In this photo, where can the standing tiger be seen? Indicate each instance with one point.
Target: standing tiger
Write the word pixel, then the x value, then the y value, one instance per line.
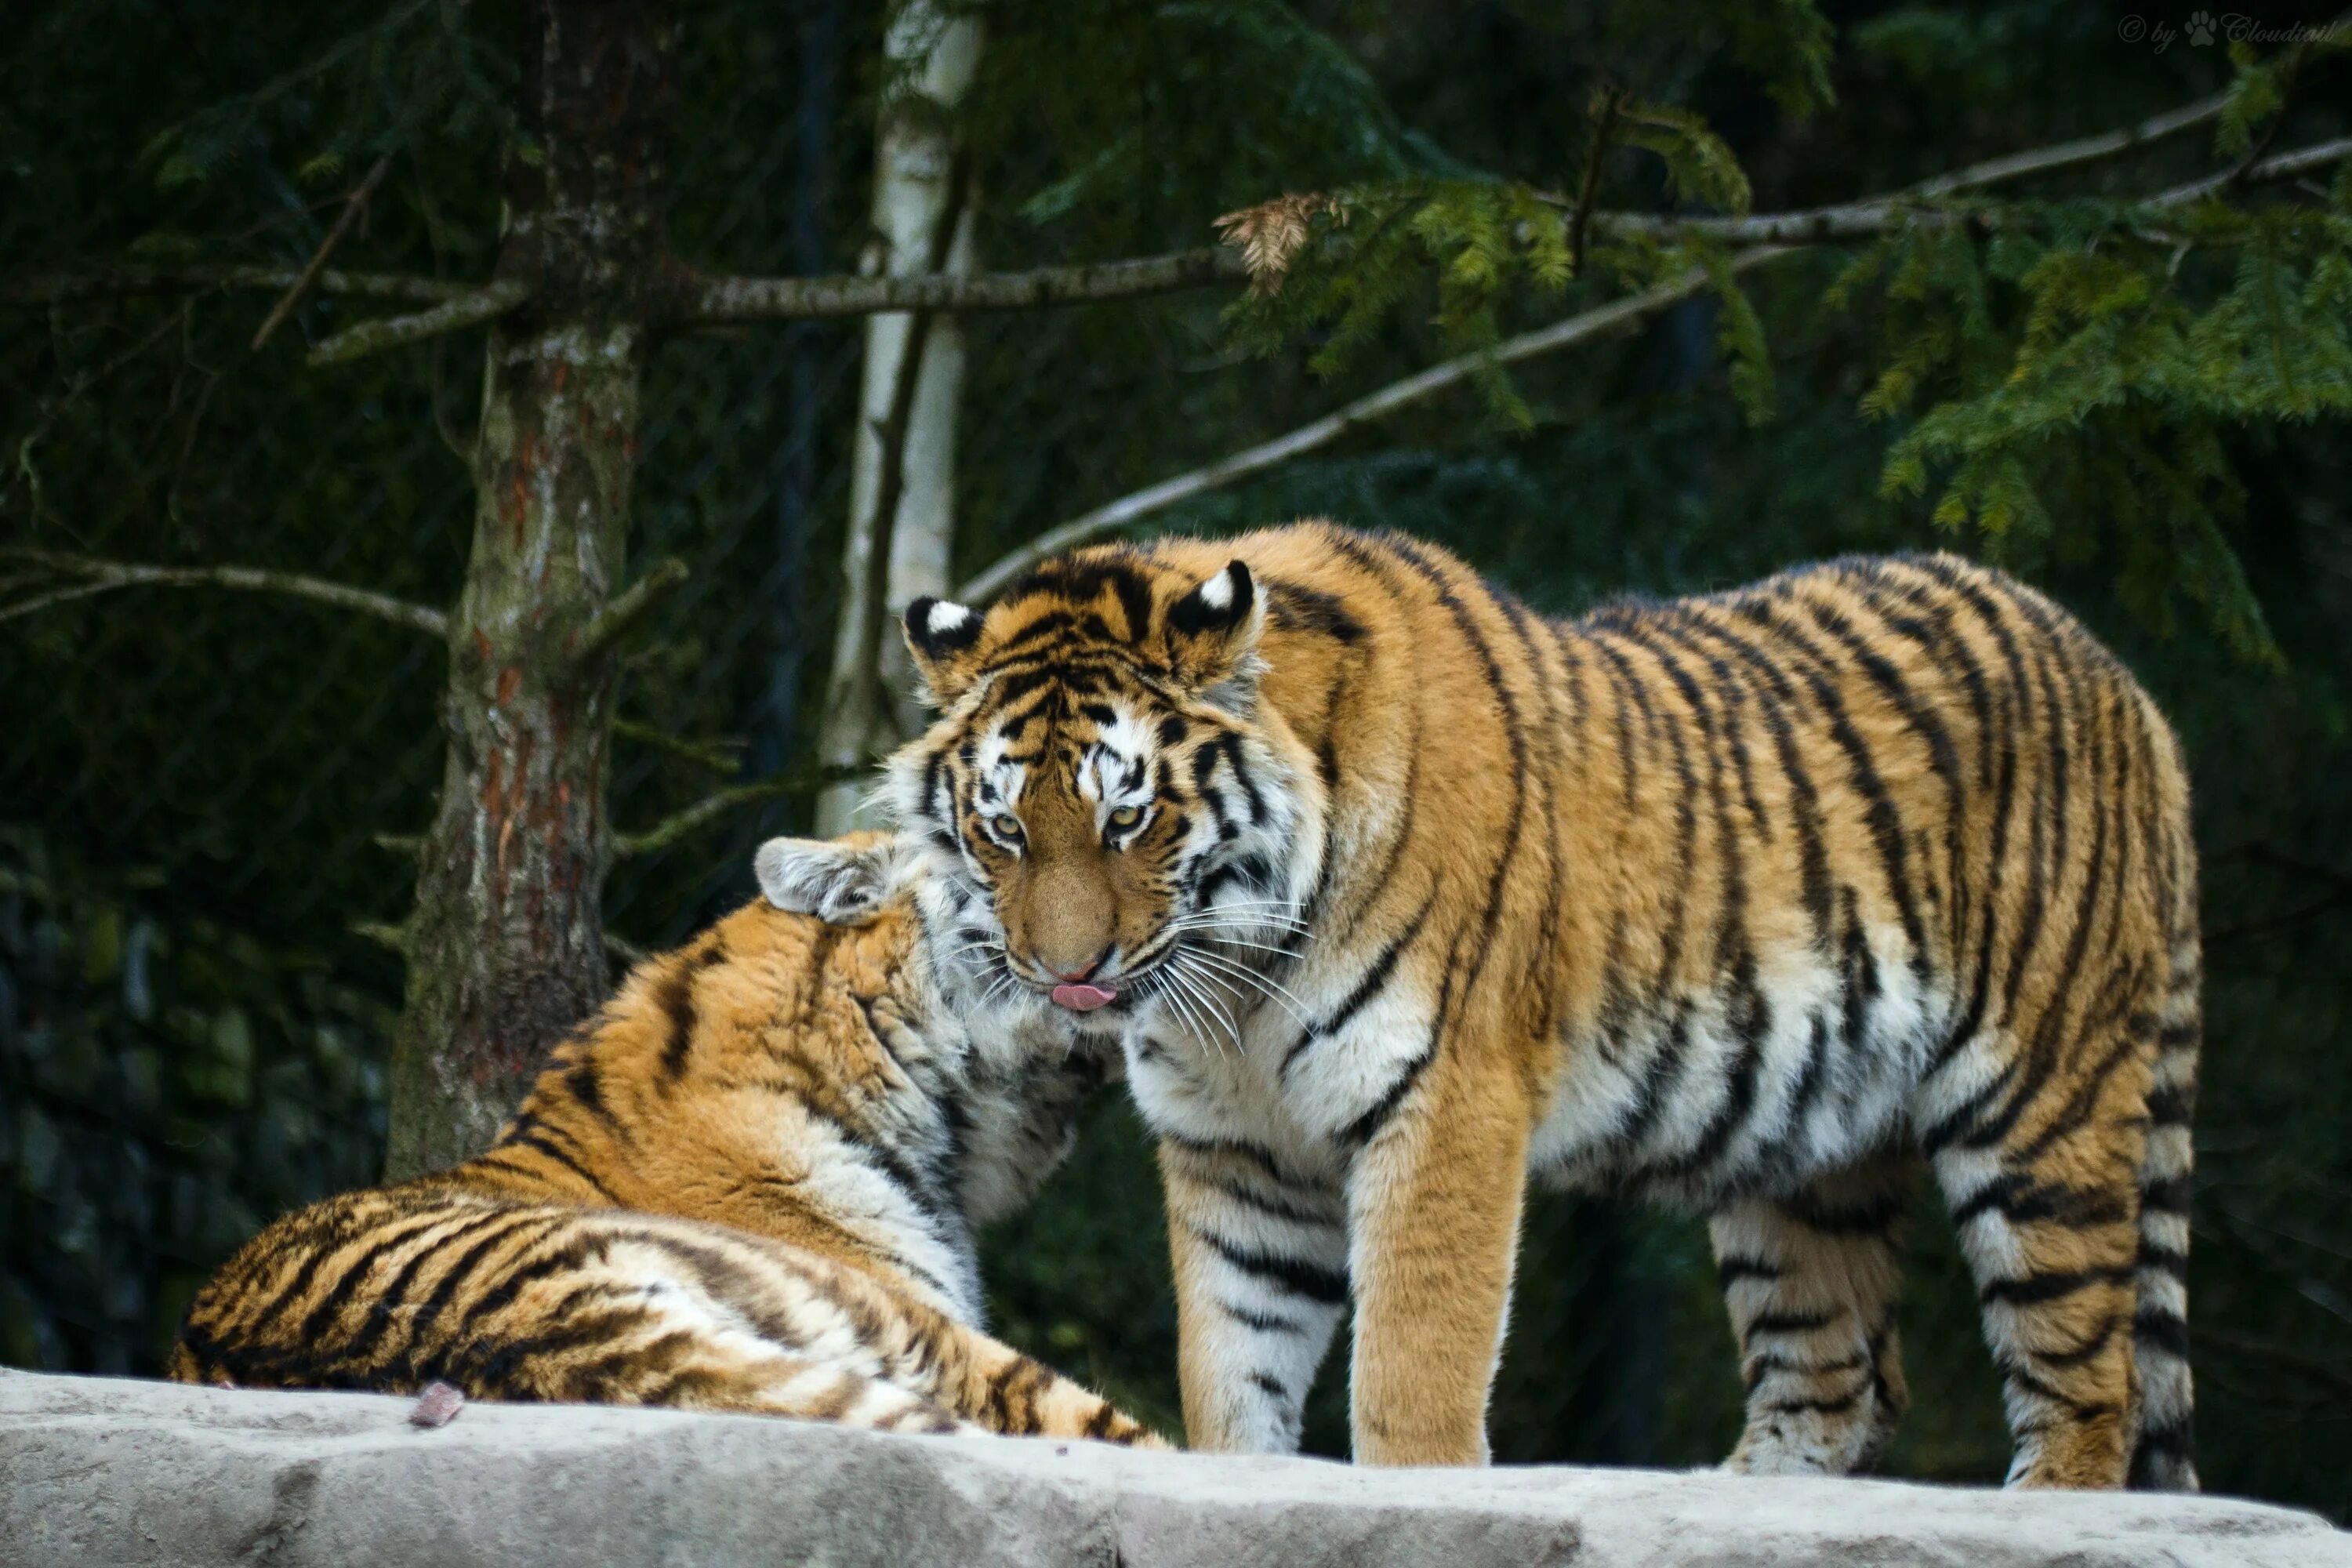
pixel 748 1184
pixel 1401 894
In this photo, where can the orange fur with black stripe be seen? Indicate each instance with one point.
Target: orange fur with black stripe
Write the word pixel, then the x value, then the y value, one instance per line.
pixel 1401 895
pixel 747 1185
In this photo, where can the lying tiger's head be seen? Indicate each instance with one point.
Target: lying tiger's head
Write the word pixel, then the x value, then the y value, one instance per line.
pixel 1000 1074
pixel 1100 780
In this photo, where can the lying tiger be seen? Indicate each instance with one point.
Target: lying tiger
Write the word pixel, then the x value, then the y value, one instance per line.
pixel 748 1184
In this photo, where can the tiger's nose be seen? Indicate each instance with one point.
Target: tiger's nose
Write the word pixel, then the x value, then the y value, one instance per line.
pixel 1072 977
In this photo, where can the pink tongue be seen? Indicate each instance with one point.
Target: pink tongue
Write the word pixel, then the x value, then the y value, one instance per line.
pixel 1083 998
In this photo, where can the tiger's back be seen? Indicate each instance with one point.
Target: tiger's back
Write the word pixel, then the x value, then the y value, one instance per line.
pixel 747 1185
pixel 1745 901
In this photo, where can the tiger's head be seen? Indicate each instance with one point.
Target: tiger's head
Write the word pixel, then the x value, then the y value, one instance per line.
pixel 1103 784
pixel 999 1074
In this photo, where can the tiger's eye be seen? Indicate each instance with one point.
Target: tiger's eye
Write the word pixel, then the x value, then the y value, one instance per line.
pixel 1005 826
pixel 1126 817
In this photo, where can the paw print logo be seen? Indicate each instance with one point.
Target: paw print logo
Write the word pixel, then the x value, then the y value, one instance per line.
pixel 2201 28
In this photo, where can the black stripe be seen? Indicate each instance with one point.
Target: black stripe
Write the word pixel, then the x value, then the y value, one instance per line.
pixel 1874 1217
pixel 452 1278
pixel 529 1133
pixel 1257 1154
pixel 1825 1406
pixel 1276 1207
pixel 390 1304
pixel 1513 731
pixel 1546 942
pixel 1364 1128
pixel 2021 1200
pixel 1375 979
pixel 675 996
pixel 1885 823
pixel 1779 697
pixel 339 1230
pixel 2091 1345
pixel 1764 1364
pixel 1294 607
pixel 1662 1067
pixel 1810 1080
pixel 1961 1117
pixel 2035 1289
pixel 1732 1267
pixel 1262 1322
pixel 1787 1322
pixel 1296 1276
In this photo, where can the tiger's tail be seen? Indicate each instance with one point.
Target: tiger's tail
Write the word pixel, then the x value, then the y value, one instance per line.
pixel 2164 1443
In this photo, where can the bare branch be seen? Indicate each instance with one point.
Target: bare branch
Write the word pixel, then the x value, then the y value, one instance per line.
pixel 354 205
pixel 726 301
pixel 625 609
pixel 1875 214
pixel 2269 171
pixel 97 577
pixel 1131 509
pixel 106 283
pixel 487 303
pixel 2077 154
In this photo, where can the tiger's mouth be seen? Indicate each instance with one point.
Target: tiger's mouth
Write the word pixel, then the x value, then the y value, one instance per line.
pixel 1081 997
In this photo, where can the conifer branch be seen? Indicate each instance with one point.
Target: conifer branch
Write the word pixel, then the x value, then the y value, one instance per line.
pixel 1131 509
pixel 88 575
pixel 708 810
pixel 720 803
pixel 473 308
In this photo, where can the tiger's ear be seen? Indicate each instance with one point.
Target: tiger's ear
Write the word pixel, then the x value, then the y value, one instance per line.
pixel 1213 636
pixel 941 636
pixel 839 880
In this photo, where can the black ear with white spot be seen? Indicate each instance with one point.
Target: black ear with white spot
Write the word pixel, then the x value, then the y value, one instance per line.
pixel 941 635
pixel 1225 602
pixel 1213 636
pixel 839 880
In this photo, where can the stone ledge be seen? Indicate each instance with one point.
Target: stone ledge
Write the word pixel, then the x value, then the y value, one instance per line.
pixel 98 1471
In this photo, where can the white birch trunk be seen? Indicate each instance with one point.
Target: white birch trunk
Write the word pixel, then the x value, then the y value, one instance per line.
pixel 913 167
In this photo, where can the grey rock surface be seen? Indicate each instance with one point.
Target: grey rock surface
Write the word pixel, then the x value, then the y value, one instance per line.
pixel 104 1471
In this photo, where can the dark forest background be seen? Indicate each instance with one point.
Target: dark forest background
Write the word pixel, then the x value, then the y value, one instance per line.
pixel 195 785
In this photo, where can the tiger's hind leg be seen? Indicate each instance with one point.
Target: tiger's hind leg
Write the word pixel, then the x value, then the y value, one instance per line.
pixel 2039 1168
pixel 1812 1283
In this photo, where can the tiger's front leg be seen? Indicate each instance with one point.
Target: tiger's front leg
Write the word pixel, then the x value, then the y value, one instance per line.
pixel 1434 1205
pixel 1261 1257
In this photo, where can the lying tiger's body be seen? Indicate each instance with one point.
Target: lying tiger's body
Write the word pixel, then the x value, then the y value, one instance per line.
pixel 748 1186
pixel 1401 894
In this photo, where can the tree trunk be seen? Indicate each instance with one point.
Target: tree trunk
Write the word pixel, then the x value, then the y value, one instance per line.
pixel 915 171
pixel 506 946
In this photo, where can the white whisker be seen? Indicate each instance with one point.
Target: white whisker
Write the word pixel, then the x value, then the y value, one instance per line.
pixel 1273 991
pixel 1199 980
